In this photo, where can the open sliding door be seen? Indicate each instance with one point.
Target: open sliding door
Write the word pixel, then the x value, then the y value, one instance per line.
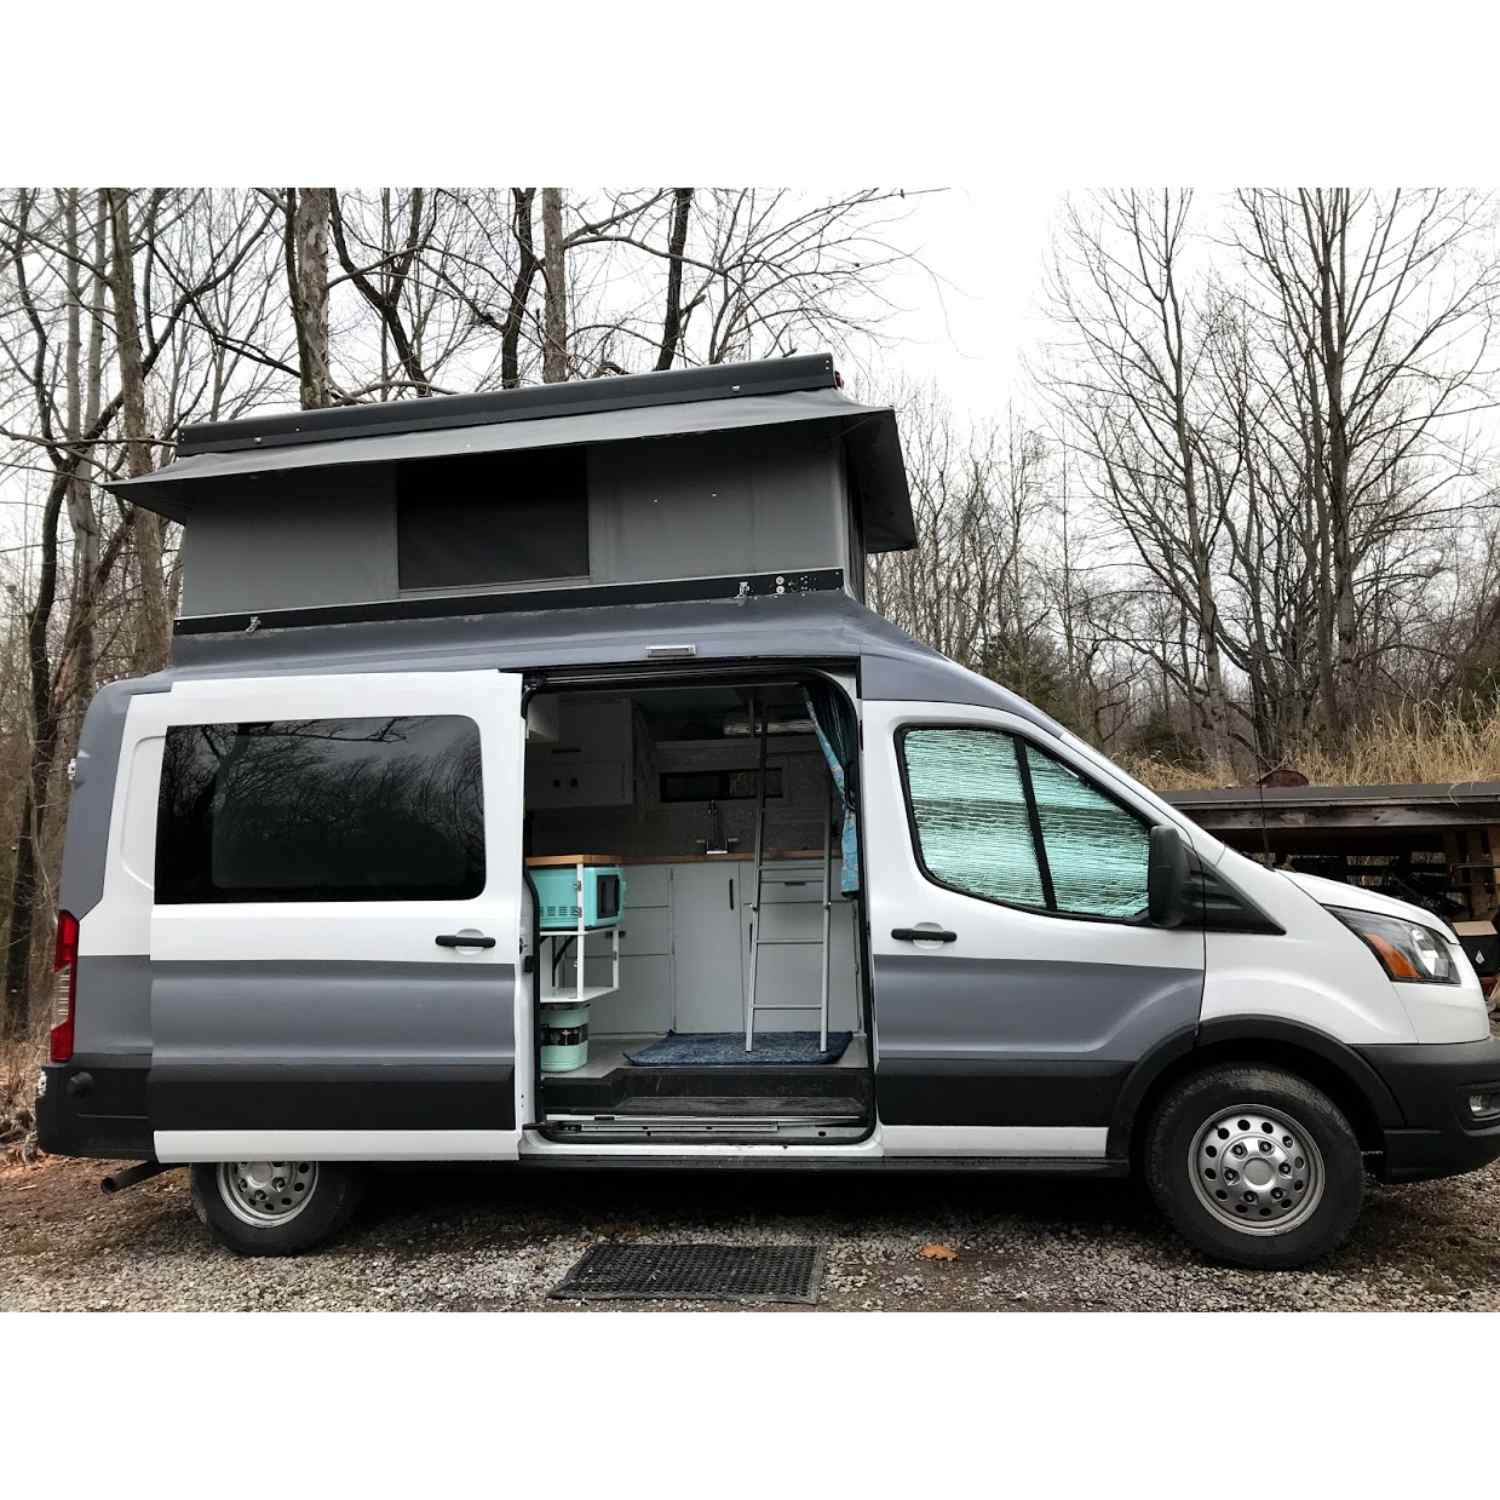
pixel 335 929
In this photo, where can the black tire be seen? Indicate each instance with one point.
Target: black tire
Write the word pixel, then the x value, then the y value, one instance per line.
pixel 333 1196
pixel 1171 1163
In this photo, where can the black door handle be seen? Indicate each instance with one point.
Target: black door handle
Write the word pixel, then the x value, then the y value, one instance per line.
pixel 923 935
pixel 463 940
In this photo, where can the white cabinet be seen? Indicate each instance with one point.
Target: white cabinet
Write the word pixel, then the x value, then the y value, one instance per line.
pixel 685 951
pixel 644 1001
pixel 590 764
pixel 706 901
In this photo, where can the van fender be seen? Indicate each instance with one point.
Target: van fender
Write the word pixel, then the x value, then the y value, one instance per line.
pixel 1267 1037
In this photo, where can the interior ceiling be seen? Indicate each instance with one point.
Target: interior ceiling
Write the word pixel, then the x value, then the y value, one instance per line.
pixel 712 700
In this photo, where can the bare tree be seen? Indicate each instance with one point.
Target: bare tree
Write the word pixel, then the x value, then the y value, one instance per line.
pixel 555 305
pixel 308 212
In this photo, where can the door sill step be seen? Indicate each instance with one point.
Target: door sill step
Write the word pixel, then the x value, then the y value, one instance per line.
pixel 641 1128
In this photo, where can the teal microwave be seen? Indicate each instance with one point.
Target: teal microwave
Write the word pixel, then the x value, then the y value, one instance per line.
pixel 558 896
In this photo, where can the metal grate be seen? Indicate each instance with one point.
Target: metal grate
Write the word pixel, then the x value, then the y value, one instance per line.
pixel 697 1273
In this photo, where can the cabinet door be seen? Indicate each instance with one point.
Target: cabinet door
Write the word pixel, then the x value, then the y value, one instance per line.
pixel 706 936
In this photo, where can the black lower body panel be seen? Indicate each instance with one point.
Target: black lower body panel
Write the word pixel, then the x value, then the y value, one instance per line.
pixel 297 1096
pixel 1431 1083
pixel 1012 1091
pixel 96 1107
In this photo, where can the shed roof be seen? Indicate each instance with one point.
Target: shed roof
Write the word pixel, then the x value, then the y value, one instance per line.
pixel 762 393
pixel 1306 810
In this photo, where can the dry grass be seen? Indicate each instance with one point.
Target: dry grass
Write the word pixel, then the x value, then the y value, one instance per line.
pixel 1415 743
pixel 19 1064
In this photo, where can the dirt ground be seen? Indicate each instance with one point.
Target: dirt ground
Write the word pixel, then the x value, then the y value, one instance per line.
pixel 466 1240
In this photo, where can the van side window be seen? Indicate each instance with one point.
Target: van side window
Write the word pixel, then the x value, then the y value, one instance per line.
pixel 368 809
pixel 995 817
pixel 968 808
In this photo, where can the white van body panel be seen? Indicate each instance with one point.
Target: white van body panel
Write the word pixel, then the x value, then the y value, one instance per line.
pixel 1437 1012
pixel 1319 974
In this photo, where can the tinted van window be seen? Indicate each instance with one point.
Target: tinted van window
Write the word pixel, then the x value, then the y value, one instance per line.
pixel 368 809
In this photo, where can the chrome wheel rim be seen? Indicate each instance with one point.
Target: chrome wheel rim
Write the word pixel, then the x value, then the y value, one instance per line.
pixel 1257 1170
pixel 264 1193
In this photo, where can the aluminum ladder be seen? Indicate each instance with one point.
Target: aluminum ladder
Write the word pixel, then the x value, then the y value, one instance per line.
pixel 752 1003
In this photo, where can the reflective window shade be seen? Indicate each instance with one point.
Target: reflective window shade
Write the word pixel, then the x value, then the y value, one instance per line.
pixel 969 808
pixel 1097 852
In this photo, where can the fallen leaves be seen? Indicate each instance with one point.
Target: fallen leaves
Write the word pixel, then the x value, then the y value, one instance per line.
pixel 938 1252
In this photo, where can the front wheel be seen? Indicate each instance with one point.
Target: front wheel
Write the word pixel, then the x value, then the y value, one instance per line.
pixel 274 1207
pixel 1255 1166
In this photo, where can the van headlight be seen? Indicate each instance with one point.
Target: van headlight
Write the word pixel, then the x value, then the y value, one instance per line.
pixel 1409 952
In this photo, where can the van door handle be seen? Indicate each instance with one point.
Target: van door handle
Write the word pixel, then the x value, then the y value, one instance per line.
pixel 464 940
pixel 923 935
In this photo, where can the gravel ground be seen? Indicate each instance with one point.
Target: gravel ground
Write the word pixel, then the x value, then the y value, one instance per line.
pixel 465 1240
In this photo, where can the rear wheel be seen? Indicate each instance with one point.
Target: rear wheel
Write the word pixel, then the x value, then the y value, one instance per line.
pixel 274 1207
pixel 1255 1166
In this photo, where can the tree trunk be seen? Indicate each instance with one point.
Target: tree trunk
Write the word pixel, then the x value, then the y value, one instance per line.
pixel 146 526
pixel 520 292
pixel 308 276
pixel 671 326
pixel 555 306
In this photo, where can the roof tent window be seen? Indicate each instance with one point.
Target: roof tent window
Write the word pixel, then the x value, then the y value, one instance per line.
pixel 483 520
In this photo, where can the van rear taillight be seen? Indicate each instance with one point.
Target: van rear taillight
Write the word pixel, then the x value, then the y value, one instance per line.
pixel 64 987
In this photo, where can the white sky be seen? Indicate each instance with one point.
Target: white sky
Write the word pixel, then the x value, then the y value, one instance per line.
pixel 967 324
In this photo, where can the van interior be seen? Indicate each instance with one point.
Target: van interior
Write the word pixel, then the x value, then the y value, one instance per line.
pixel 694 794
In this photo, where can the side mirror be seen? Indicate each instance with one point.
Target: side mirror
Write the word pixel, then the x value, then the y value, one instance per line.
pixel 1167 877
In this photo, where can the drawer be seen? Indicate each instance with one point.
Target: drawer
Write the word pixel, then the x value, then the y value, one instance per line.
pixel 807 886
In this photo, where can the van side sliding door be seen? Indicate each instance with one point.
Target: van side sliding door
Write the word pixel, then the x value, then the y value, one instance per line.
pixel 335 924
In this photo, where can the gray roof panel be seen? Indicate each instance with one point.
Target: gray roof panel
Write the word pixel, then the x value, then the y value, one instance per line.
pixel 824 626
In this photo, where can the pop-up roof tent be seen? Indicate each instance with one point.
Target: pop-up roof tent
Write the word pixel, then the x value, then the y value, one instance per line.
pixel 735 480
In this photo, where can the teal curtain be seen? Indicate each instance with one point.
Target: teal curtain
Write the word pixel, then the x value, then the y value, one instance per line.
pixel 839 740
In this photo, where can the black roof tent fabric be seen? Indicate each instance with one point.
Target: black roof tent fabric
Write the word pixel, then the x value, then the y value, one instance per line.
pixel 765 393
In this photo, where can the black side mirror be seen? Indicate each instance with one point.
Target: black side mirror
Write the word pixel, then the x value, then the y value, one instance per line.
pixel 1167 877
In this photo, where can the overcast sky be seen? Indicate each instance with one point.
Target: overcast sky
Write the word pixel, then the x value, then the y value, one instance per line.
pixel 967 324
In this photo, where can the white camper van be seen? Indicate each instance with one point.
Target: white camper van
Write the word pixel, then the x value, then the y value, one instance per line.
pixel 531 785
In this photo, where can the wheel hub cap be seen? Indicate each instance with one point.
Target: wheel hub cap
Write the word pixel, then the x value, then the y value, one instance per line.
pixel 267 1192
pixel 1257 1170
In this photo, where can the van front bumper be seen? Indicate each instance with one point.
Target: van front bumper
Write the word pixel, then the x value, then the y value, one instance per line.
pixel 1432 1084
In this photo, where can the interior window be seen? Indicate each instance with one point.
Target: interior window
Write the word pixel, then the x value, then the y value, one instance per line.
pixel 1097 852
pixel 968 807
pixel 368 809
pixel 492 518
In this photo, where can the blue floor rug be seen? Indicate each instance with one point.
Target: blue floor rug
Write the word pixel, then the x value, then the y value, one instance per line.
pixel 726 1049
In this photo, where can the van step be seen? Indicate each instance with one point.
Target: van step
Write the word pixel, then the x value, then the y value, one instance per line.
pixel 741 1106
